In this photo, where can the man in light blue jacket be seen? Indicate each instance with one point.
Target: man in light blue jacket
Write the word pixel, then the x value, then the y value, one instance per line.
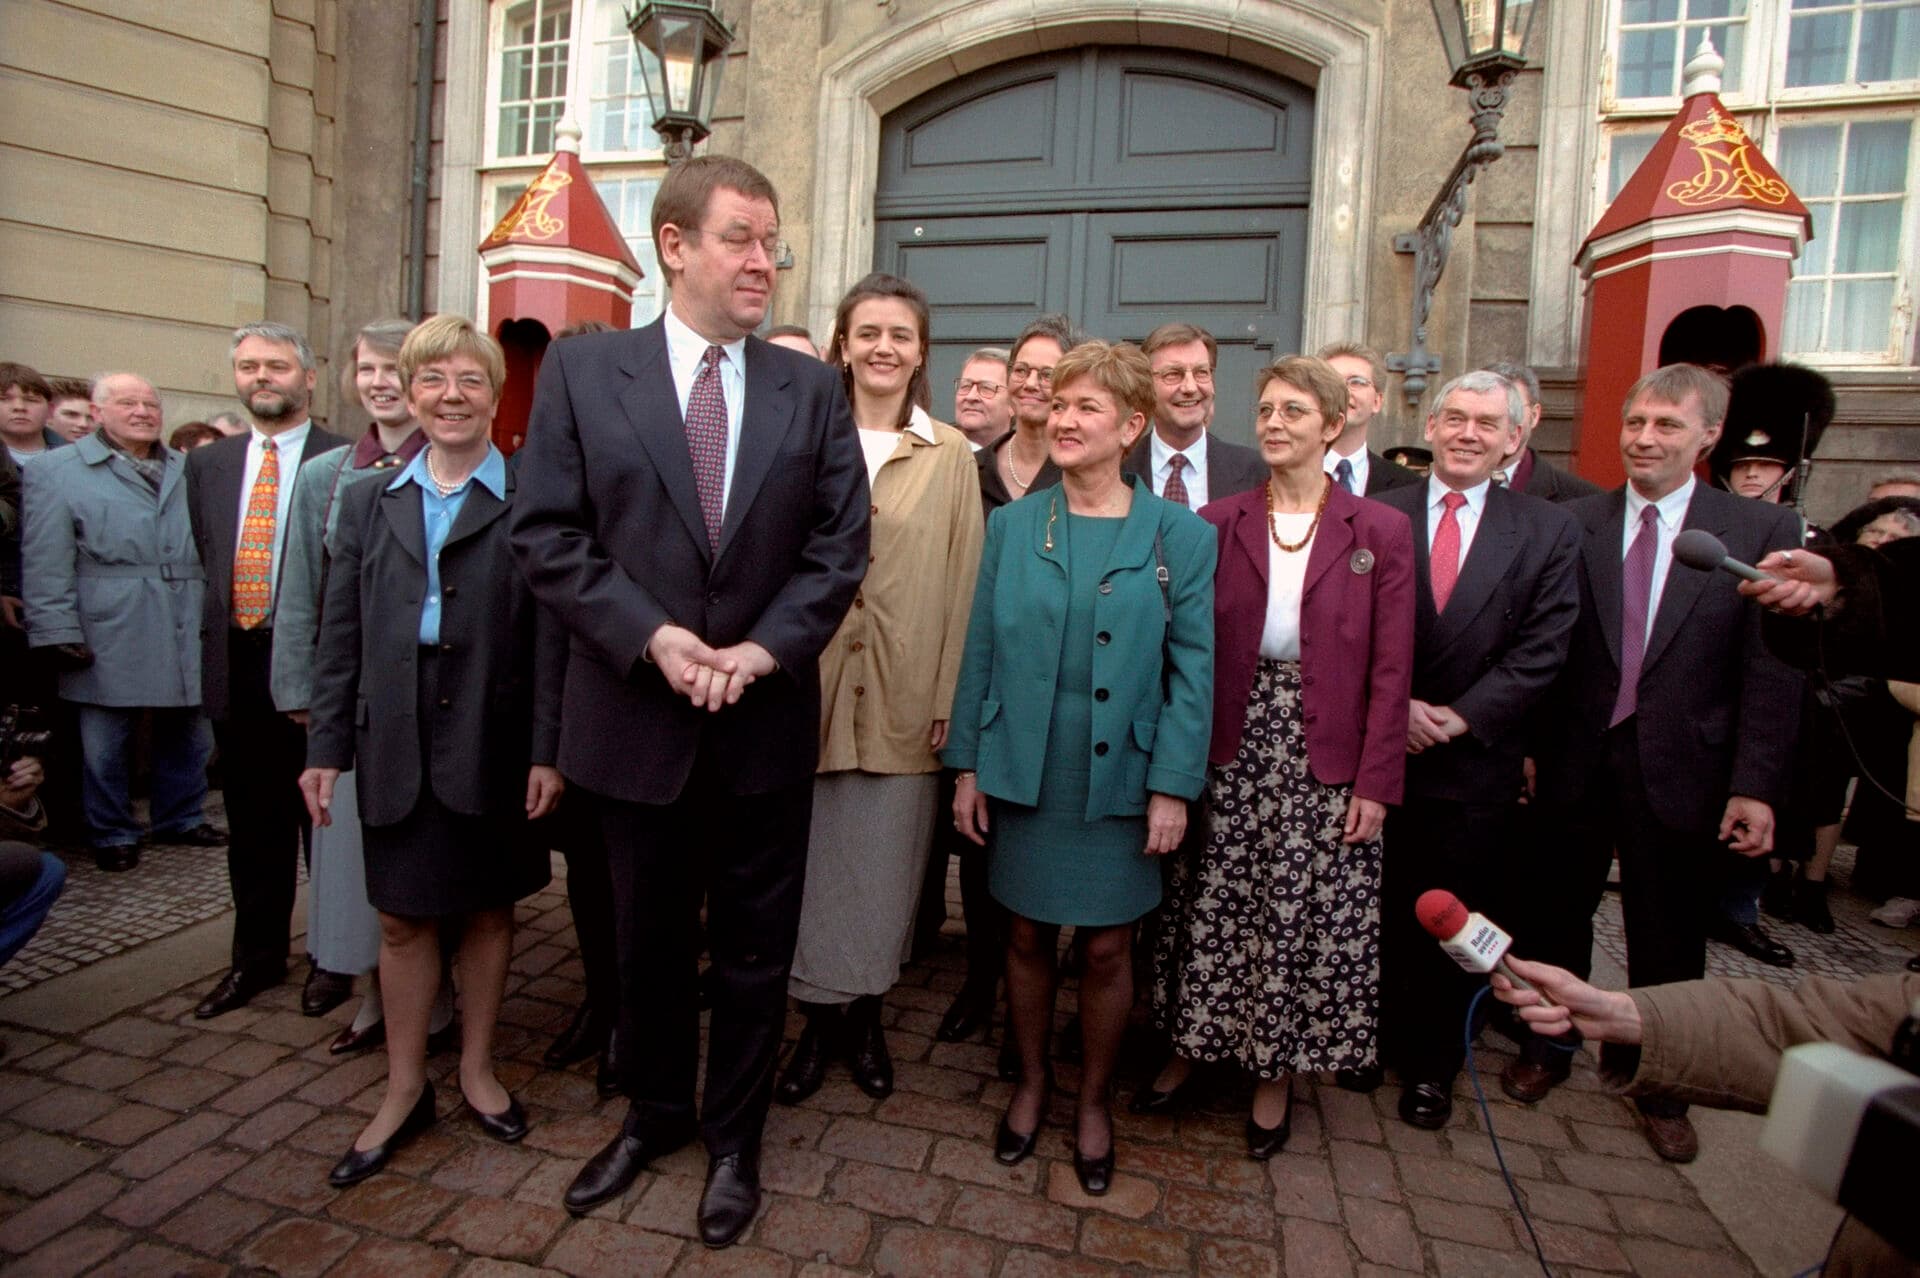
pixel 113 584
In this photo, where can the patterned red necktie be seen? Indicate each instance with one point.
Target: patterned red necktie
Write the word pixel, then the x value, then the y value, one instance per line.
pixel 707 442
pixel 1444 559
pixel 1636 592
pixel 1176 489
pixel 253 557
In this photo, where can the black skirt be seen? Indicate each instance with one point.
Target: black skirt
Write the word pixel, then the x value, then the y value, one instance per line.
pixel 439 862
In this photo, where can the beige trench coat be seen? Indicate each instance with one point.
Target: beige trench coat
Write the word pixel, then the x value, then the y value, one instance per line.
pixel 889 672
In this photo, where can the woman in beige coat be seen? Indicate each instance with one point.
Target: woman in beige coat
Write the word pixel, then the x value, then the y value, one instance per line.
pixel 887 682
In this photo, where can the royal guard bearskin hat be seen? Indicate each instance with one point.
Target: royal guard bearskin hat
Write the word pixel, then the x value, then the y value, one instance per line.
pixel 1777 412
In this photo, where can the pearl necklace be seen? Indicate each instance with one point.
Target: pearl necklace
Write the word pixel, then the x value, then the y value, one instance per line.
pixel 446 489
pixel 1021 484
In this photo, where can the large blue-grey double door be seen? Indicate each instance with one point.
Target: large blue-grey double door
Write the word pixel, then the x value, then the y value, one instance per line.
pixel 1124 186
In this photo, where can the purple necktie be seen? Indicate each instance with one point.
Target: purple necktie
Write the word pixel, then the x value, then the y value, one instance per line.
pixel 1636 591
pixel 707 442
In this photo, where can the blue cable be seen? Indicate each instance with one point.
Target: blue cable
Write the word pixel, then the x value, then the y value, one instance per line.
pixel 1486 1116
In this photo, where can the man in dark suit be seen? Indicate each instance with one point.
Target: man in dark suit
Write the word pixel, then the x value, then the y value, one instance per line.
pixel 1358 468
pixel 1181 458
pixel 1495 602
pixel 1523 469
pixel 239 492
pixel 694 508
pixel 1670 731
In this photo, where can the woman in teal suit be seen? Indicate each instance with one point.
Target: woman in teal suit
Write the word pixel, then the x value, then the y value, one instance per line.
pixel 1080 725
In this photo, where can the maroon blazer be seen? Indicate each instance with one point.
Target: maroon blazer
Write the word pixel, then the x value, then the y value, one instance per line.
pixel 1356 637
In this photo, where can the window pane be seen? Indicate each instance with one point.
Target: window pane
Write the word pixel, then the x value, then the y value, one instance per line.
pixel 1635 12
pixel 1817 49
pixel 1821 4
pixel 1716 9
pixel 1809 159
pixel 1647 63
pixel 1817 257
pixel 1624 156
pixel 532 87
pixel 1731 40
pixel 1806 307
pixel 1862 314
pixel 1890 43
pixel 1877 157
pixel 1869 238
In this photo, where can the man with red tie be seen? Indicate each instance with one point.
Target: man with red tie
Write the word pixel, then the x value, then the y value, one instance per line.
pixel 1494 604
pixel 1669 735
pixel 1182 459
pixel 239 491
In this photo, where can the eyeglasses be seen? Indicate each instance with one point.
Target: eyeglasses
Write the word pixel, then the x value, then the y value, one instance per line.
pixel 1172 375
pixel 740 244
pixel 968 385
pixel 433 380
pixel 1364 383
pixel 1292 412
pixel 1019 373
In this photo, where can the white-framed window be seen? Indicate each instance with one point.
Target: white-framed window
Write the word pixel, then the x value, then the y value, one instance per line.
pixel 1830 89
pixel 549 58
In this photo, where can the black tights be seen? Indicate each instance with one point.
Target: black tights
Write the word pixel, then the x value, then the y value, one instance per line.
pixel 1106 997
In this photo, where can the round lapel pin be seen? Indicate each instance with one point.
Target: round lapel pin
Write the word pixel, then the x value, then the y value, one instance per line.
pixel 1361 562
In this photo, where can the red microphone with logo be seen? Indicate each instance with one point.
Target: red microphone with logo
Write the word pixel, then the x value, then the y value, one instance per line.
pixel 1471 940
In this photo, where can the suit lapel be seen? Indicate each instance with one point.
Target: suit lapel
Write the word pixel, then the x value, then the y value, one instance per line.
pixel 1684 584
pixel 1602 555
pixel 225 471
pixel 401 506
pixel 479 509
pixel 1495 542
pixel 1250 534
pixel 764 420
pixel 652 406
pixel 1333 539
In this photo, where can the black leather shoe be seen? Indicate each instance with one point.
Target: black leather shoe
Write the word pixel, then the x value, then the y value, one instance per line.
pixel 236 989
pixel 204 835
pixel 1360 1080
pixel 1264 1142
pixel 867 1049
pixel 970 1012
pixel 584 1036
pixel 1095 1174
pixel 1751 941
pixel 609 1172
pixel 507 1126
pixel 1013 1148
pixel 324 991
pixel 606 1078
pixel 1810 907
pixel 731 1198
pixel 358 1164
pixel 1425 1105
pixel 807 1067
pixel 350 1041
pixel 1151 1100
pixel 117 859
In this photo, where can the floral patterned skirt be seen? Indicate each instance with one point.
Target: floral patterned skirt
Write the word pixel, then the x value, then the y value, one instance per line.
pixel 1270 952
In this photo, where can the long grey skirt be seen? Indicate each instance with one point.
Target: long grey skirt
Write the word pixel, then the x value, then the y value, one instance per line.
pixel 343 929
pixel 866 856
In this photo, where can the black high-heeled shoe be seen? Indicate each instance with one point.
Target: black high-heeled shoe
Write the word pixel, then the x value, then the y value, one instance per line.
pixel 507 1126
pixel 1012 1148
pixel 358 1164
pixel 1095 1174
pixel 1152 1100
pixel 1264 1142
pixel 970 1012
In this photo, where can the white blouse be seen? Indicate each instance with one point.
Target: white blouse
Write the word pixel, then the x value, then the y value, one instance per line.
pixel 1286 581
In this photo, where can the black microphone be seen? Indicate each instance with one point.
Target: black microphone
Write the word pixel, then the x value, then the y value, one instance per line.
pixel 1698 548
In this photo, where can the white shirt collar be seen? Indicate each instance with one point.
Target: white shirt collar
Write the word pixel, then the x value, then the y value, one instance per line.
pixel 687 348
pixel 921 424
pixel 1476 496
pixel 285 440
pixel 1672 507
pixel 1195 453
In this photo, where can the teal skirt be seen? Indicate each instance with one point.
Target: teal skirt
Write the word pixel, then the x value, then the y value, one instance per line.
pixel 1050 864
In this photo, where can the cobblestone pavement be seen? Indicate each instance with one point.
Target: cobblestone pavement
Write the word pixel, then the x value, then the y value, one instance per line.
pixel 152 1143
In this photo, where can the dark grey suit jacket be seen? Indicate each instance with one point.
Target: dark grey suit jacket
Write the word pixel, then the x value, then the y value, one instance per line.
pixel 1384 476
pixel 1718 712
pixel 608 527
pixel 1496 650
pixel 501 659
pixel 214 475
pixel 1550 483
pixel 1232 468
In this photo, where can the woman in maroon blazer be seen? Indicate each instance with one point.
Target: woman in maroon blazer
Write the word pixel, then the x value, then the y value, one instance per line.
pixel 1270 957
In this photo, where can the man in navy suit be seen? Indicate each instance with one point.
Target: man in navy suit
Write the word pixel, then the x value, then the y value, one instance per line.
pixel 1495 603
pixel 1670 732
pixel 1181 458
pixel 695 509
pixel 1350 459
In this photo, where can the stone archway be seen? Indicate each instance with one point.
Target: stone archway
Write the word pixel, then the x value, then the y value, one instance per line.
pixel 1313 41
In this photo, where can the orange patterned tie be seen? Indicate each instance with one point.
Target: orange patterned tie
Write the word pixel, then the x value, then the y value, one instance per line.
pixel 253 560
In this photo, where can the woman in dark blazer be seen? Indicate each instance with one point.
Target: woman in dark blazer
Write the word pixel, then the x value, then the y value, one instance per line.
pixel 1081 714
pixel 1270 955
pixel 436 672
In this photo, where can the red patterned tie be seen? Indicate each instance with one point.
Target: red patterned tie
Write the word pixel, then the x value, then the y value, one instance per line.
pixel 707 442
pixel 1444 559
pixel 253 558
pixel 1176 489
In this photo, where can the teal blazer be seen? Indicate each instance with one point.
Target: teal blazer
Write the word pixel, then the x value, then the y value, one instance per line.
pixel 1146 739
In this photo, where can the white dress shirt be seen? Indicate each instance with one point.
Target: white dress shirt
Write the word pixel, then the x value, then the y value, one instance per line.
pixel 1286 585
pixel 685 350
pixel 1194 475
pixel 1672 512
pixel 1332 461
pixel 289 444
pixel 1467 517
